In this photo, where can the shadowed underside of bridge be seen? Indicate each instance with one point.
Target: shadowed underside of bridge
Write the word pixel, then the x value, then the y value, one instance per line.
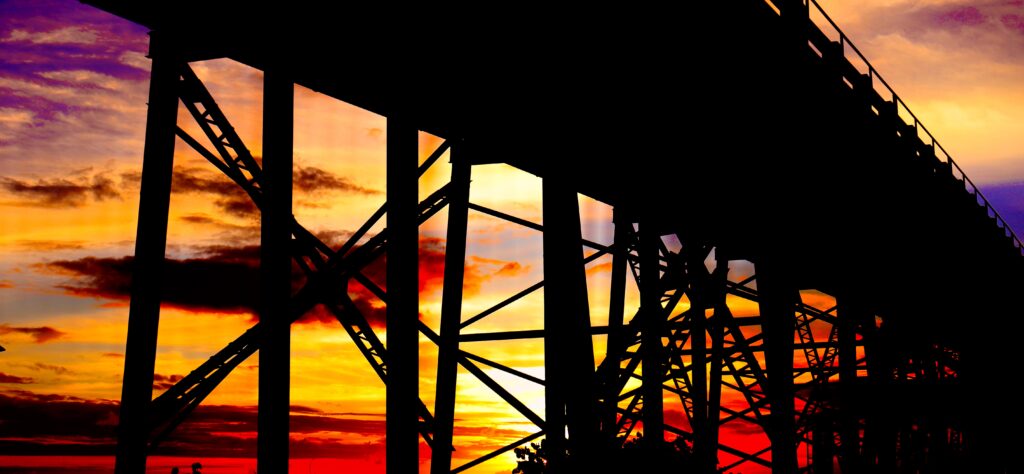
pixel 729 124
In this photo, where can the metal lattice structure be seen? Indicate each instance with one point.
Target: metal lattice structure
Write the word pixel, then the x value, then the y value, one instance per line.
pixel 853 384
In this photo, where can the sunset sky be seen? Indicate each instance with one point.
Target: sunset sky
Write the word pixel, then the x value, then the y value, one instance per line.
pixel 73 91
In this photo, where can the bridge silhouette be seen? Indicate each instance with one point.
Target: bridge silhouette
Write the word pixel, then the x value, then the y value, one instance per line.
pixel 750 131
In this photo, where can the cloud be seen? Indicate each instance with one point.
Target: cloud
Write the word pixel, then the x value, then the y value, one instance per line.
pixel 7 378
pixel 230 230
pixel 39 335
pixel 221 279
pixel 224 280
pixel 68 35
pixel 230 198
pixel 113 355
pixel 334 238
pixel 55 424
pixel 967 16
pixel 311 179
pixel 70 76
pixel 164 382
pixel 50 424
pixel 6 284
pixel 60 192
pixel 39 366
pixel 49 245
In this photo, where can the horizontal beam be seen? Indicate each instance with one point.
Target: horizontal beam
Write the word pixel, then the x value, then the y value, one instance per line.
pixel 510 335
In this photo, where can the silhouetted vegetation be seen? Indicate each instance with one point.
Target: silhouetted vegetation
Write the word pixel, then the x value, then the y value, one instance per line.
pixel 631 455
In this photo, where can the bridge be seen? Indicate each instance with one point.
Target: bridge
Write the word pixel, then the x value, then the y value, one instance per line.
pixel 727 134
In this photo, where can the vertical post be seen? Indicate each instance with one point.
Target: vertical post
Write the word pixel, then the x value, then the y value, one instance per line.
pixel 716 328
pixel 150 244
pixel 872 419
pixel 616 309
pixel 848 430
pixel 554 349
pixel 451 312
pixel 881 369
pixel 403 297
pixel 697 274
pixel 778 301
pixel 567 338
pixel 651 349
pixel 275 273
pixel 822 445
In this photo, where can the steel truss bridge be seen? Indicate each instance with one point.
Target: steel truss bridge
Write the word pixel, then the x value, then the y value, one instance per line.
pixel 778 144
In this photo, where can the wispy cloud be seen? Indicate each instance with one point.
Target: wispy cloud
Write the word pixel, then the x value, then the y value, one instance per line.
pixel 60 192
pixel 57 369
pixel 14 379
pixel 312 179
pixel 66 83
pixel 959 65
pixel 39 334
pixel 229 197
pixel 164 382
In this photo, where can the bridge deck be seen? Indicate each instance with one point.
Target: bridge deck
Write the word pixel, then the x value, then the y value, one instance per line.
pixel 718 122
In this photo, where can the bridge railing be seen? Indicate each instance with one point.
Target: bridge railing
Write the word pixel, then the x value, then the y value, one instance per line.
pixel 853 55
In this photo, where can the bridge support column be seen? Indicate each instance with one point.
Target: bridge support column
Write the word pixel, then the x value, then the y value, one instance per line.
pixel 150 245
pixel 698 277
pixel 849 316
pixel 653 326
pixel 778 301
pixel 451 312
pixel 716 328
pixel 568 347
pixel 616 310
pixel 275 273
pixel 403 298
pixel 823 446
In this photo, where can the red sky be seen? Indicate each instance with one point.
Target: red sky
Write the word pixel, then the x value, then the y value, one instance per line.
pixel 73 84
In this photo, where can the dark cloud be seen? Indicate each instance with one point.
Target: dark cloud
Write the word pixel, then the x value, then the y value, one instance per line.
pixel 225 279
pixel 238 206
pixel 221 279
pixel 131 178
pixel 230 198
pixel 39 334
pixel 198 180
pixel 962 15
pixel 60 192
pixel 55 424
pixel 113 355
pixel 43 424
pixel 230 230
pixel 310 179
pixel 164 382
pixel 223 282
pixel 7 378
pixel 1013 22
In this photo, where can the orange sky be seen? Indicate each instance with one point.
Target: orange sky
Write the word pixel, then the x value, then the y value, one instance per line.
pixel 73 85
